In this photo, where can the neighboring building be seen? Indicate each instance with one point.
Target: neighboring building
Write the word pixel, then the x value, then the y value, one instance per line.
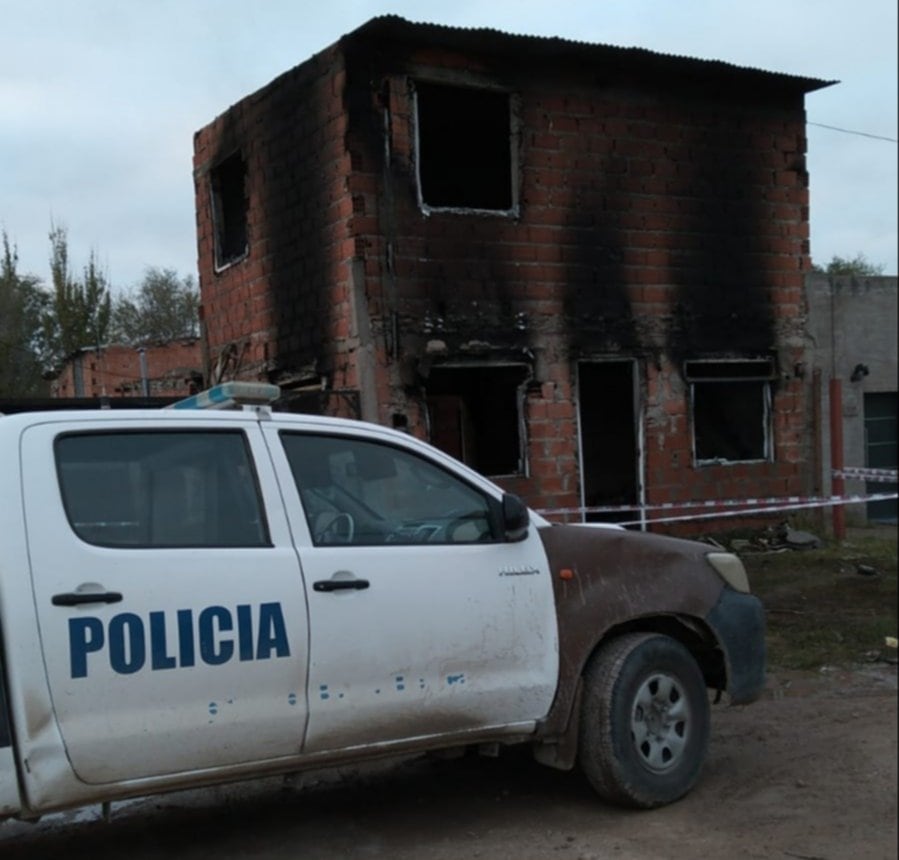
pixel 852 334
pixel 577 267
pixel 171 369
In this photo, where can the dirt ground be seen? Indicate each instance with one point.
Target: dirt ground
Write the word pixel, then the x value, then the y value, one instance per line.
pixel 808 772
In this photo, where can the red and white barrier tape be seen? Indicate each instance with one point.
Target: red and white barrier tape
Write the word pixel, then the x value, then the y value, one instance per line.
pixel 876 476
pixel 678 506
pixel 747 507
pixel 822 503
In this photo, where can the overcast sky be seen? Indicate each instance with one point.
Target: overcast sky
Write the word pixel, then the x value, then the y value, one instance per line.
pixel 99 101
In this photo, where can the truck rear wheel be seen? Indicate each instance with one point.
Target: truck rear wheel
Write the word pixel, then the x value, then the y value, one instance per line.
pixel 644 720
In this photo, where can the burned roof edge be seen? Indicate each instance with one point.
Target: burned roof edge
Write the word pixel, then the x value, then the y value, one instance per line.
pixel 400 29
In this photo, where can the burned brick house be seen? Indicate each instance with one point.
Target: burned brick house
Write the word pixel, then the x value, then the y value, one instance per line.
pixel 577 267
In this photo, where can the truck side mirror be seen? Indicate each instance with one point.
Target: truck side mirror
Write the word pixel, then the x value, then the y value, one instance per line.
pixel 516 518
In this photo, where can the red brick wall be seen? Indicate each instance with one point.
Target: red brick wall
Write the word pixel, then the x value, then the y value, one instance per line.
pixel 662 228
pixel 284 308
pixel 671 475
pixel 173 370
pixel 663 221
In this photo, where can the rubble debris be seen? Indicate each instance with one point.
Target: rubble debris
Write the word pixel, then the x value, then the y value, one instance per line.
pixel 795 539
pixel 782 538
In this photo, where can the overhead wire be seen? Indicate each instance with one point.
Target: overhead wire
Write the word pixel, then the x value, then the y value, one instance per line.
pixel 857 133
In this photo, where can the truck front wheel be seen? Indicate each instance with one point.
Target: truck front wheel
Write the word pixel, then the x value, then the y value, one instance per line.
pixel 644 728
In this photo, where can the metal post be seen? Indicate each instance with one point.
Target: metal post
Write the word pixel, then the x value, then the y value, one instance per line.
pixel 144 379
pixel 838 484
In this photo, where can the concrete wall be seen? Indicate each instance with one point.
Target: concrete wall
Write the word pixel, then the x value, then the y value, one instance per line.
pixel 851 321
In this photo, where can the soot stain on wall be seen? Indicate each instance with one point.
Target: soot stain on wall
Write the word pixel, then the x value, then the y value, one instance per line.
pixel 456 282
pixel 722 302
pixel 296 201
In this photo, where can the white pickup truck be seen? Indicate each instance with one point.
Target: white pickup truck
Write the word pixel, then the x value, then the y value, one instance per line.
pixel 191 596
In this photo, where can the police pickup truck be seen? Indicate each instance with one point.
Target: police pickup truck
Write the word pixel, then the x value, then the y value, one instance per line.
pixel 191 596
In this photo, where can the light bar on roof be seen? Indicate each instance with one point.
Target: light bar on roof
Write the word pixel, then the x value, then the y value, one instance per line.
pixel 227 395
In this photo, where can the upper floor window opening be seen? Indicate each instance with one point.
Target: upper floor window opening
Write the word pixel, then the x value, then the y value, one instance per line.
pixel 229 210
pixel 465 148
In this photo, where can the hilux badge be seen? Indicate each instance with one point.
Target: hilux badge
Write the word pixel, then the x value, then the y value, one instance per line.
pixel 518 571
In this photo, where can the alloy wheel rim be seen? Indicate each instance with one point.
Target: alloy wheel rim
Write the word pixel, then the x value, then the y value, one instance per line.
pixel 660 722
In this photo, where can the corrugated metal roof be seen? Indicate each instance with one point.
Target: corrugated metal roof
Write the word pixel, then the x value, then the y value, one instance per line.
pixel 499 42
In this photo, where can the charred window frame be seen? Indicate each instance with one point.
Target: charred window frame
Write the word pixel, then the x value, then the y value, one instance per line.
pixel 466 148
pixel 730 405
pixel 227 182
pixel 476 414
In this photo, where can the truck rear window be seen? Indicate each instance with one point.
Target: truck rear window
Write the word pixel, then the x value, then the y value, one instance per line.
pixel 161 489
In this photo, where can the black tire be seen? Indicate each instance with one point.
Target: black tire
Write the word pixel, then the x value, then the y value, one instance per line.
pixel 644 729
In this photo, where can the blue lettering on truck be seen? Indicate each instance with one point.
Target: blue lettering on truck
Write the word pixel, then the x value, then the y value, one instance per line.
pixel 132 643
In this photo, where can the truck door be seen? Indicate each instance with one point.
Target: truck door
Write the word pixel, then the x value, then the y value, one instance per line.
pixel 423 619
pixel 170 602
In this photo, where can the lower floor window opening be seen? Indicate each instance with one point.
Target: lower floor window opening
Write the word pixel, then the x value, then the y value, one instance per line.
pixel 475 415
pixel 731 414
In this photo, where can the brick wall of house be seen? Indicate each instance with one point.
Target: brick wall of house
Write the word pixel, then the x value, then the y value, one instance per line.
pixel 660 226
pixel 662 216
pixel 283 311
pixel 173 370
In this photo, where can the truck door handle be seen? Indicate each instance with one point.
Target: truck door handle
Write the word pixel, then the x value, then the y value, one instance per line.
pixel 77 598
pixel 340 584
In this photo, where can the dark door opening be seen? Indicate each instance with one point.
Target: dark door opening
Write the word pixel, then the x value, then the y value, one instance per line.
pixel 608 438
pixel 880 451
pixel 475 415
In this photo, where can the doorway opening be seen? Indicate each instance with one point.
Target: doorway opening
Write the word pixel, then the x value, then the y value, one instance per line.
pixel 610 441
pixel 880 451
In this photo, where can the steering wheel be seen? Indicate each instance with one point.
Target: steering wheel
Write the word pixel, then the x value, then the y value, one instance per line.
pixel 333 527
pixel 468 528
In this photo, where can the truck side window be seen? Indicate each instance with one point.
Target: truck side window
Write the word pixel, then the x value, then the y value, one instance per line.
pixel 365 493
pixel 162 489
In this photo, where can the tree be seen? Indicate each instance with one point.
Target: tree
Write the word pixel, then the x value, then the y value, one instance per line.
pixel 22 304
pixel 79 312
pixel 859 265
pixel 164 307
pixel 41 328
